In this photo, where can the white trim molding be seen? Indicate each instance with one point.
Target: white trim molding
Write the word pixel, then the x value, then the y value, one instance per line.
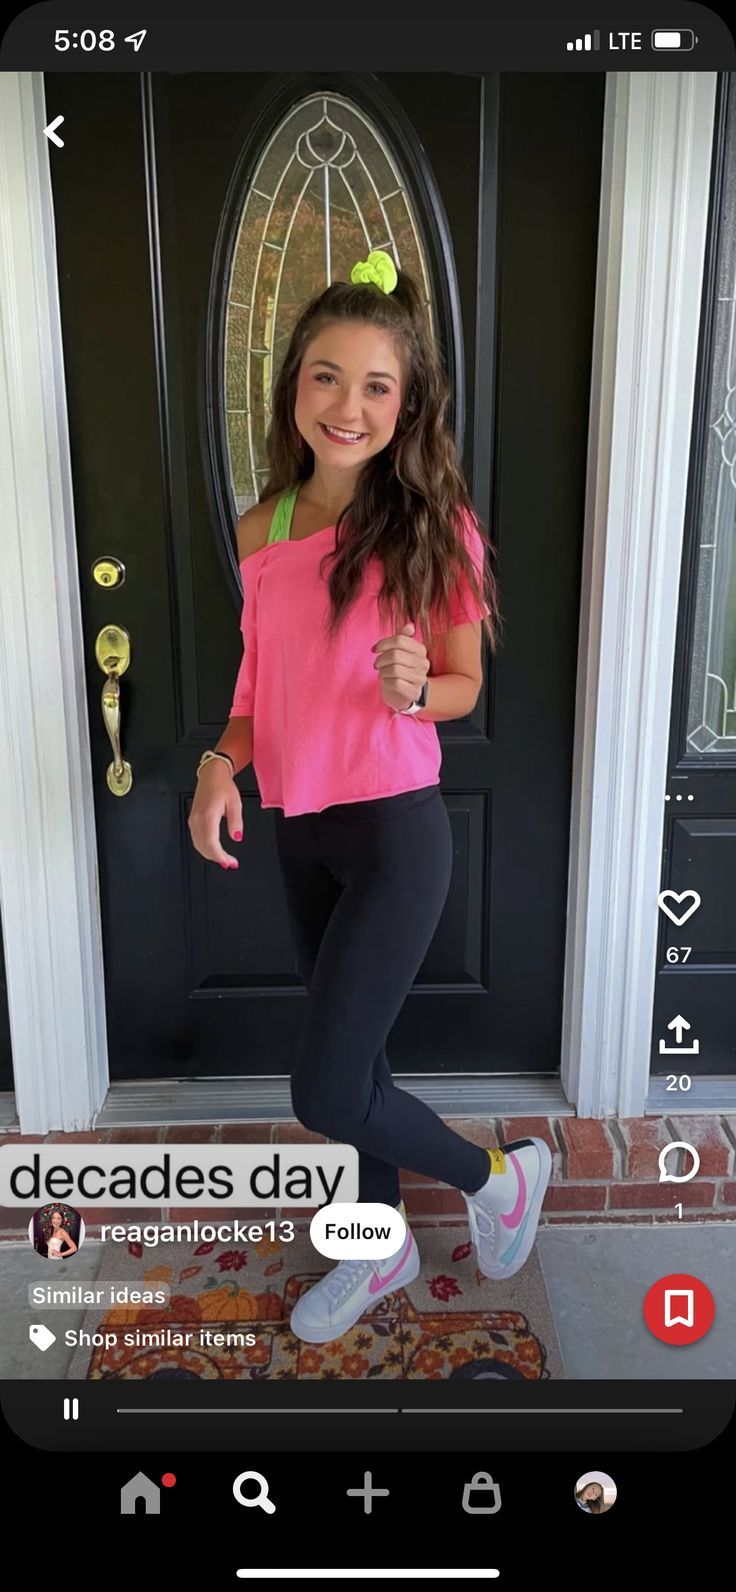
pixel 657 150
pixel 48 853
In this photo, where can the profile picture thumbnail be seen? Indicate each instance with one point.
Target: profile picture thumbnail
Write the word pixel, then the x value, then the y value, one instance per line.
pixel 56 1231
pixel 595 1492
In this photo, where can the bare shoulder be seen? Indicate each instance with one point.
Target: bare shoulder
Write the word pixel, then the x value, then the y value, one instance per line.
pixel 253 527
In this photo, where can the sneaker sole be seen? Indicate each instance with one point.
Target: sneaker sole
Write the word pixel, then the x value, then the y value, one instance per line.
pixel 531 1219
pixel 308 1334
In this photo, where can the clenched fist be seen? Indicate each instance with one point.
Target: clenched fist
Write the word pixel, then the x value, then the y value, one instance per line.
pixel 403 666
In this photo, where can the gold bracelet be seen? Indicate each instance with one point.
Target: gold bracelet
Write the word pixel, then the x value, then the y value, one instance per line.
pixel 207 758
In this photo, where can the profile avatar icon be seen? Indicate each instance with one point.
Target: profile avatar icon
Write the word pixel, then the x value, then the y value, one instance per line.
pixel 595 1492
pixel 56 1231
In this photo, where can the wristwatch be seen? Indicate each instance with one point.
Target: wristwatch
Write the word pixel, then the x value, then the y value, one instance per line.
pixel 421 701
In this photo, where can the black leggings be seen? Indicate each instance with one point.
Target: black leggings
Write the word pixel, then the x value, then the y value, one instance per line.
pixel 365 886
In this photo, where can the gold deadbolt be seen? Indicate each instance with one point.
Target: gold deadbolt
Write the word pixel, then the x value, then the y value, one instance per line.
pixel 108 572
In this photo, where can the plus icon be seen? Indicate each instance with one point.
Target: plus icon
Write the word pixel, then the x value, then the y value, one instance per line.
pixel 367 1492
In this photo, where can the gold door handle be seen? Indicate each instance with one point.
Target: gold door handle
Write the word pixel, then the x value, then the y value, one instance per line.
pixel 112 651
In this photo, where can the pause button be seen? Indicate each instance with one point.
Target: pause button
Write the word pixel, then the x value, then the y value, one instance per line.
pixel 71 1409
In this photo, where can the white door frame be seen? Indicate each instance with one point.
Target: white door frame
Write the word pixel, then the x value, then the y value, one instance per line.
pixel 655 179
pixel 657 152
pixel 48 851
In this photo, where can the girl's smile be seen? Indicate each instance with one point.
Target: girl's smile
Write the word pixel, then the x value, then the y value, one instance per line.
pixel 342 438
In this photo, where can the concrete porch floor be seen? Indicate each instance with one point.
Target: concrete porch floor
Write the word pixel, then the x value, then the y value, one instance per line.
pixel 596 1279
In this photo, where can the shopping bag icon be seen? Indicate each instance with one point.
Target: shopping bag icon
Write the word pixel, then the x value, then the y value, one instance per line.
pixel 672 1294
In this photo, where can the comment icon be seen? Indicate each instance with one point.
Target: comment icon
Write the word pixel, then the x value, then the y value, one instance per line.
pixel 681 1177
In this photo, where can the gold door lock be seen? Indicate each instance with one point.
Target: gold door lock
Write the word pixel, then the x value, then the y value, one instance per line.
pixel 108 572
pixel 112 651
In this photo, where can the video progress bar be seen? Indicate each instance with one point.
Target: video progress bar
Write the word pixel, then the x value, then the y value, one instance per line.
pixel 368 1575
pixel 250 1410
pixel 576 1411
pixel 247 1410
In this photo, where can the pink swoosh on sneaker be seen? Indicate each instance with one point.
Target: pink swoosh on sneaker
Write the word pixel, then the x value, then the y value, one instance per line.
pixel 514 1217
pixel 379 1283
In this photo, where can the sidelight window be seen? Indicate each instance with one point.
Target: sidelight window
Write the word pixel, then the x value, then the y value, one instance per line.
pixel 712 706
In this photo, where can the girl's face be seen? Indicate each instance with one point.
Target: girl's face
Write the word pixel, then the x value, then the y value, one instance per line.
pixel 56 1219
pixel 350 379
pixel 593 1490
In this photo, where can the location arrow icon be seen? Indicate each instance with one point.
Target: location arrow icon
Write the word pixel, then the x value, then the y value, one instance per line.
pixel 50 133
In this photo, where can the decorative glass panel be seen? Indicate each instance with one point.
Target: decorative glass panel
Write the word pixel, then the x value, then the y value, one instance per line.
pixel 326 191
pixel 712 710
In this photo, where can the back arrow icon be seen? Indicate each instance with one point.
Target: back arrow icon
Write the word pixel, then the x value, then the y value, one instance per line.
pixel 49 131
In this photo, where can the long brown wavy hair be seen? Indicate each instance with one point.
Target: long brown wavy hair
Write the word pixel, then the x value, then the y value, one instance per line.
pixel 596 1506
pixel 408 498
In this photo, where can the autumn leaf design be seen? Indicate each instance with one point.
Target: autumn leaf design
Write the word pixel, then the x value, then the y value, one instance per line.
pixel 232 1259
pixel 444 1288
pixel 462 1252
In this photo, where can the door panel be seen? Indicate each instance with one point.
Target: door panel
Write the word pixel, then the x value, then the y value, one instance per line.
pixel 696 976
pixel 200 971
pixel 6 1055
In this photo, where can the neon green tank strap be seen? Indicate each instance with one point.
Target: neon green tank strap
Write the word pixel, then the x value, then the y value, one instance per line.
pixel 280 528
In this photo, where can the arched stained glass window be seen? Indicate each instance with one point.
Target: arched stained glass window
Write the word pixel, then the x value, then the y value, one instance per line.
pixel 326 190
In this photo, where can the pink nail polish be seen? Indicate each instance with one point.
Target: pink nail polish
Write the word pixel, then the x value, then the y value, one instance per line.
pixel 238 834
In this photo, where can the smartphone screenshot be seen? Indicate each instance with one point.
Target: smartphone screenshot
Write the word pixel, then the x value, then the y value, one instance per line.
pixel 368 810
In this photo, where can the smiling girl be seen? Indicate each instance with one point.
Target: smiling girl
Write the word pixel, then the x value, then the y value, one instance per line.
pixel 365 595
pixel 60 1243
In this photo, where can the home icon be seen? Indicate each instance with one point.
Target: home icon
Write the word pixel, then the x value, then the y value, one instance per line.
pixel 140 1487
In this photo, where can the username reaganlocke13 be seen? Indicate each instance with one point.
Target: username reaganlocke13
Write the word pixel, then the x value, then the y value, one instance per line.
pixel 243 1175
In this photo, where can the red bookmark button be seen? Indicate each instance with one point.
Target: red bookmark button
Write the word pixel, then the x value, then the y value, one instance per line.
pixel 679 1309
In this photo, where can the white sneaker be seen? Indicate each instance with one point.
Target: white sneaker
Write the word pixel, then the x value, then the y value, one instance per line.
pixel 504 1213
pixel 340 1298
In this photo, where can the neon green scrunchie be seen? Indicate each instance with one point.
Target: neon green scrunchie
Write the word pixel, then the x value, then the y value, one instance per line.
pixel 378 268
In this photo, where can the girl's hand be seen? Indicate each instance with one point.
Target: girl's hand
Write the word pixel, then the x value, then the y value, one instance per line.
pixel 402 666
pixel 216 797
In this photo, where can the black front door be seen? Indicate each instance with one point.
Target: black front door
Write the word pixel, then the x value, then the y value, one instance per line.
pixel 169 366
pixel 6 1059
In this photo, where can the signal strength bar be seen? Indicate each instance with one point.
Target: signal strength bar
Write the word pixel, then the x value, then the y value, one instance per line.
pixel 589 41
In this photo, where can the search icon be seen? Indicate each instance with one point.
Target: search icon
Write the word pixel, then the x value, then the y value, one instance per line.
pixel 670 1177
pixel 261 1498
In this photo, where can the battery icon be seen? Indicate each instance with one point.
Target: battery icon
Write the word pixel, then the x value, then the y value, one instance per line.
pixel 673 39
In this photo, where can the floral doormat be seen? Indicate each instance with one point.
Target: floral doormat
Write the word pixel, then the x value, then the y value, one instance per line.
pixel 450 1322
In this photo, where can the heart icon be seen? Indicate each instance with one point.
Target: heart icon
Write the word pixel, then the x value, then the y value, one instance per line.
pixel 686 895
